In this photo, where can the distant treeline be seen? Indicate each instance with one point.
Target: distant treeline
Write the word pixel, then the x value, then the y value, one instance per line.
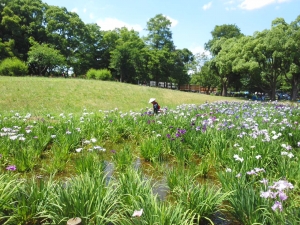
pixel 40 39
pixel 51 41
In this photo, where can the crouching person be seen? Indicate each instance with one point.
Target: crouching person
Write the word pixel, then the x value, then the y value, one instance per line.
pixel 156 107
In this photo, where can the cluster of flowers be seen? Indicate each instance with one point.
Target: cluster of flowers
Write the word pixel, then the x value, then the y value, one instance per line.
pixel 276 191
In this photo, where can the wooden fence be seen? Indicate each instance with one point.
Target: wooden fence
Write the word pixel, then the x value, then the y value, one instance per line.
pixel 196 88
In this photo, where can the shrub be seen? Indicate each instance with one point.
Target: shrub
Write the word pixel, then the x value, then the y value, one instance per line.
pixel 13 67
pixel 103 74
pixel 91 74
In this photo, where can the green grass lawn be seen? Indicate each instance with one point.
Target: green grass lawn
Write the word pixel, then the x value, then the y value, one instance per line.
pixel 40 95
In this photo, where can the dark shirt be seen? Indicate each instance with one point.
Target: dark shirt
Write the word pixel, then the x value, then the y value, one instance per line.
pixel 155 107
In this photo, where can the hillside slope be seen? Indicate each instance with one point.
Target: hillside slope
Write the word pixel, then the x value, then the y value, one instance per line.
pixel 56 95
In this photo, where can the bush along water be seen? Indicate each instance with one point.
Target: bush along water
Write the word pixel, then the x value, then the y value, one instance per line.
pixel 221 162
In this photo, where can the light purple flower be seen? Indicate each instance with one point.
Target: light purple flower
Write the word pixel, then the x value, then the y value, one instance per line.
pixel 267 194
pixel 252 172
pixel 282 185
pixel 277 205
pixel 282 196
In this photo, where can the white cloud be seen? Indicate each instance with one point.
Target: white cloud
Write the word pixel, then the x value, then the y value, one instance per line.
pixel 197 49
pixel 84 10
pixel 207 6
pixel 91 16
pixel 229 2
pixel 74 10
pixel 112 23
pixel 257 4
pixel 173 21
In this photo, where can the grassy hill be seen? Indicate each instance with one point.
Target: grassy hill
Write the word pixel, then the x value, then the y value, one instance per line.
pixel 40 95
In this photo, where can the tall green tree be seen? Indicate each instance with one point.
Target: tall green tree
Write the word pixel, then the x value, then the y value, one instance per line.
pixel 127 56
pixel 269 53
pixel 181 60
pixel 22 19
pixel 108 44
pixel 159 33
pixel 160 42
pixel 65 31
pixel 293 52
pixel 90 50
pixel 219 35
pixel 246 67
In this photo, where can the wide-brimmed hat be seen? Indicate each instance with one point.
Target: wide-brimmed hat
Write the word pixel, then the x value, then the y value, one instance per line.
pixel 151 100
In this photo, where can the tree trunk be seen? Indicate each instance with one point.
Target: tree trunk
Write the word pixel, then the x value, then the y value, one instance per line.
pixel 121 76
pixel 295 82
pixel 273 91
pixel 224 86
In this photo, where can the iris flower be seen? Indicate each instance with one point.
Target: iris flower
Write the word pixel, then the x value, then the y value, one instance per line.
pixel 137 213
pixel 11 168
pixel 277 205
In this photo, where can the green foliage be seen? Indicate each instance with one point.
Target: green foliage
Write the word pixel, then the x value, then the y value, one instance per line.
pixel 6 49
pixel 123 158
pixel 160 34
pixel 103 74
pixel 43 58
pixel 89 197
pixel 91 74
pixel 8 189
pixel 38 194
pixel 152 149
pixel 202 200
pixel 13 67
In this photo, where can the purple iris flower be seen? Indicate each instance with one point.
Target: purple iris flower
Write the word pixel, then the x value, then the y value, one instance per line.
pixel 11 168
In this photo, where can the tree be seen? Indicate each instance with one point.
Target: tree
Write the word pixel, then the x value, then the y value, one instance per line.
pixel 205 77
pixel 6 49
pixel 160 34
pixel 269 53
pixel 22 19
pixel 225 31
pixel 199 60
pixel 108 44
pixel 223 36
pixel 182 59
pixel 126 57
pixel 292 50
pixel 222 64
pixel 246 67
pixel 90 50
pixel 42 58
pixel 159 40
pixel 65 31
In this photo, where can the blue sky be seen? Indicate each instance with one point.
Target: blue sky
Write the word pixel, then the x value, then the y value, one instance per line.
pixel 192 20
